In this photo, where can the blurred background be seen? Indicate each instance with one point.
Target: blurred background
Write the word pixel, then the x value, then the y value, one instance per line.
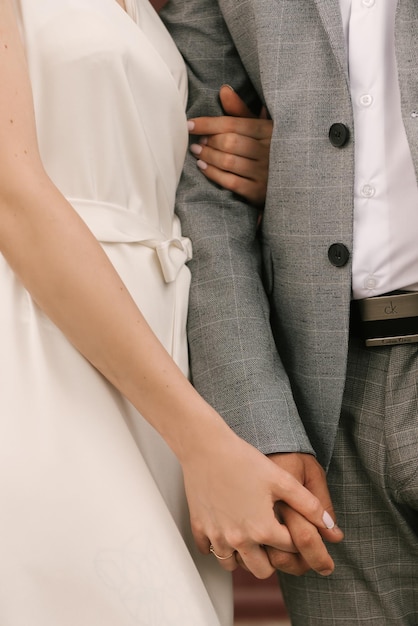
pixel 258 602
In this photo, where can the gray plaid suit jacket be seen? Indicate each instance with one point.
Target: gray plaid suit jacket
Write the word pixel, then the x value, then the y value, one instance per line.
pixel 269 313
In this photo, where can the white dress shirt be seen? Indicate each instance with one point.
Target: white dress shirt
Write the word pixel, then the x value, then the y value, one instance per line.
pixel 385 249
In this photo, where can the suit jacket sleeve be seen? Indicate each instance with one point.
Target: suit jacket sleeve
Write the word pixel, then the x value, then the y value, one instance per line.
pixel 234 360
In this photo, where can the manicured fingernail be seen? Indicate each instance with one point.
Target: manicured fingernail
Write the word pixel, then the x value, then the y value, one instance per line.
pixel 229 86
pixel 328 521
pixel 195 148
pixel 190 125
pixel 201 164
pixel 203 141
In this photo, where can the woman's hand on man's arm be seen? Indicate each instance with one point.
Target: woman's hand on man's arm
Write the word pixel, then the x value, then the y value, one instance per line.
pixel 233 150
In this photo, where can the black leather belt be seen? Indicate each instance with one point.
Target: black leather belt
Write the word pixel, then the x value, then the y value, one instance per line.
pixel 386 320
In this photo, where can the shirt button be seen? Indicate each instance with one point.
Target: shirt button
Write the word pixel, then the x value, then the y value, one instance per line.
pixel 338 135
pixel 368 191
pixel 370 282
pixel 368 3
pixel 338 254
pixel 366 100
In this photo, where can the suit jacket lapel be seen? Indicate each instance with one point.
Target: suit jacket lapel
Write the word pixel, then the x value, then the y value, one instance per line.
pixel 330 13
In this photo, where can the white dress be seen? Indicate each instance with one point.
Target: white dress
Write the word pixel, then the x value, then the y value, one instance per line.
pixel 93 519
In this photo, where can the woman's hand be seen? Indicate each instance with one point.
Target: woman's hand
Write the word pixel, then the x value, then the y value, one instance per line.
pixel 233 493
pixel 233 150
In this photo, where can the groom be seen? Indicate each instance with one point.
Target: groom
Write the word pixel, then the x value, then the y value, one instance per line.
pixel 278 314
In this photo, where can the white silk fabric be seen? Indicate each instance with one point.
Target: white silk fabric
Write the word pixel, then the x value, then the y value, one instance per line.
pixel 94 528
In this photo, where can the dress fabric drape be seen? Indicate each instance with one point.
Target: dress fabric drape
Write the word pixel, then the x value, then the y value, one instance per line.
pixel 94 527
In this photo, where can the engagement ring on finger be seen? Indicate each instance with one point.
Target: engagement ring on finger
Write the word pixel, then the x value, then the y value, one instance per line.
pixel 221 558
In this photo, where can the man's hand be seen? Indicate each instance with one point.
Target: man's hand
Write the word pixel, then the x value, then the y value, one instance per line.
pixel 307 538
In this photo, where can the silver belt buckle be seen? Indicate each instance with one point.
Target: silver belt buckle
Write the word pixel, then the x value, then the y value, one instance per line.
pixel 389 308
pixel 390 341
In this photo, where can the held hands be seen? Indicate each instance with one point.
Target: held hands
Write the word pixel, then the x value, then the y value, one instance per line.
pixel 233 150
pixel 311 552
pixel 232 490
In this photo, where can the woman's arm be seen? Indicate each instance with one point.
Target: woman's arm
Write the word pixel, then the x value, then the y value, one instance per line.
pixel 231 487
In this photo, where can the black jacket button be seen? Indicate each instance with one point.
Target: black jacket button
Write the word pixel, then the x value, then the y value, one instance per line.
pixel 338 254
pixel 338 135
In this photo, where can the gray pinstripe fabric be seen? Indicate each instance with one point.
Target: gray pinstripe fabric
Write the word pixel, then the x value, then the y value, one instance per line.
pixel 269 314
pixel 373 479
